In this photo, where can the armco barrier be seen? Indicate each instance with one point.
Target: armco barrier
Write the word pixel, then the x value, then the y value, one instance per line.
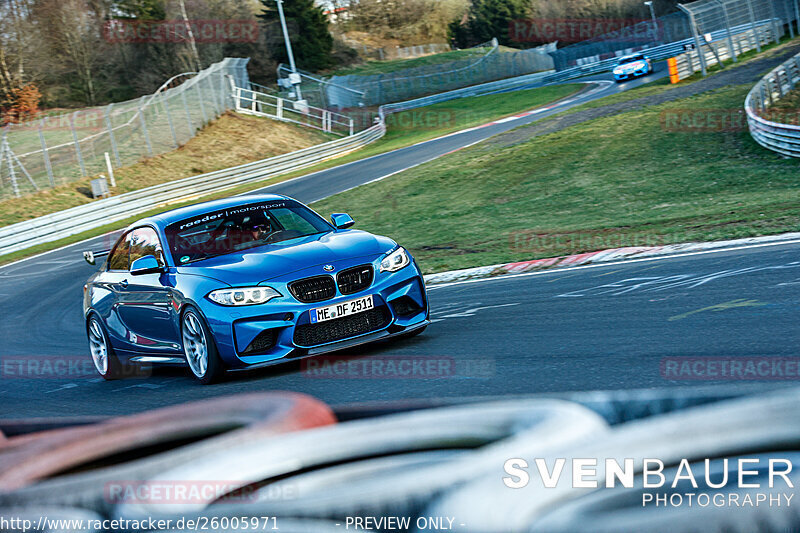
pixel 781 138
pixel 101 212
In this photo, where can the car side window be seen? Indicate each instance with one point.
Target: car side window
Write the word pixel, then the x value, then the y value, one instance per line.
pixel 118 258
pixel 144 241
pixel 291 221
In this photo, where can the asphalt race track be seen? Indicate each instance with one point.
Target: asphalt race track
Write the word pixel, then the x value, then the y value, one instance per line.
pixel 616 326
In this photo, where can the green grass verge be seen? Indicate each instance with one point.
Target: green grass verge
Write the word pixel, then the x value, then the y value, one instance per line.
pixel 403 130
pixel 616 181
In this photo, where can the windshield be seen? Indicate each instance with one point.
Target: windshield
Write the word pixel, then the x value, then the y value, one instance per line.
pixel 633 59
pixel 239 228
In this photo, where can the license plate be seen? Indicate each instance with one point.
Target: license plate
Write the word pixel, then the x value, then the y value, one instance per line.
pixel 351 307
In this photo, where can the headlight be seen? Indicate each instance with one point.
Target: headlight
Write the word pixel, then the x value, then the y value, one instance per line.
pixel 395 261
pixel 243 295
pixel 618 70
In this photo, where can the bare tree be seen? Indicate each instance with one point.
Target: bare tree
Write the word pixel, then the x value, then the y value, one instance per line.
pixel 73 30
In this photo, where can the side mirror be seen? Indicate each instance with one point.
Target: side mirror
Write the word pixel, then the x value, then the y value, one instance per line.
pixel 146 265
pixel 342 220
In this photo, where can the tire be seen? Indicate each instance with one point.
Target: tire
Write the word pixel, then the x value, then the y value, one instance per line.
pixel 532 424
pixel 105 360
pixel 53 467
pixel 199 347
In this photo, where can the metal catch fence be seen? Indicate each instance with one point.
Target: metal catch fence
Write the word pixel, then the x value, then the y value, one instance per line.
pixel 735 44
pixel 708 16
pixel 58 149
pixel 486 65
pixel 698 21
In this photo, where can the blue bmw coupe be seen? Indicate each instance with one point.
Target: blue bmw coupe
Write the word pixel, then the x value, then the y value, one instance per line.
pixel 246 282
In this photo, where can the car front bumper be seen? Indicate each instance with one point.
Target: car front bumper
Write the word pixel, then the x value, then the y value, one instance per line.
pixel 631 75
pixel 280 330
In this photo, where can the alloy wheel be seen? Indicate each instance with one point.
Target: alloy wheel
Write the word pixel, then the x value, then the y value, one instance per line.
pixel 98 347
pixel 195 344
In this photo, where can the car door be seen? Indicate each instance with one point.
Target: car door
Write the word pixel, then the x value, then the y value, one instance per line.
pixel 109 291
pixel 145 301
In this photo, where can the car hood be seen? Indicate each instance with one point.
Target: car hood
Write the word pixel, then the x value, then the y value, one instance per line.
pixel 263 263
pixel 631 66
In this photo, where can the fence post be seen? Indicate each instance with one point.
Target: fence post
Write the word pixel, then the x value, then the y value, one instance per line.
pixel 221 95
pixel 796 15
pixel 46 154
pixel 200 95
pixel 351 126
pixel 775 27
pixel 728 28
pixel 143 123
pixel 756 31
pixel 169 118
pixel 789 17
pixel 279 108
pixel 5 150
pixel 693 26
pixel 77 144
pixel 111 137
pixel 110 171
pixel 188 114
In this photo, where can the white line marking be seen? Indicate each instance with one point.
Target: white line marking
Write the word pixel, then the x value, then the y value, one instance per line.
pixel 65 386
pixel 615 263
